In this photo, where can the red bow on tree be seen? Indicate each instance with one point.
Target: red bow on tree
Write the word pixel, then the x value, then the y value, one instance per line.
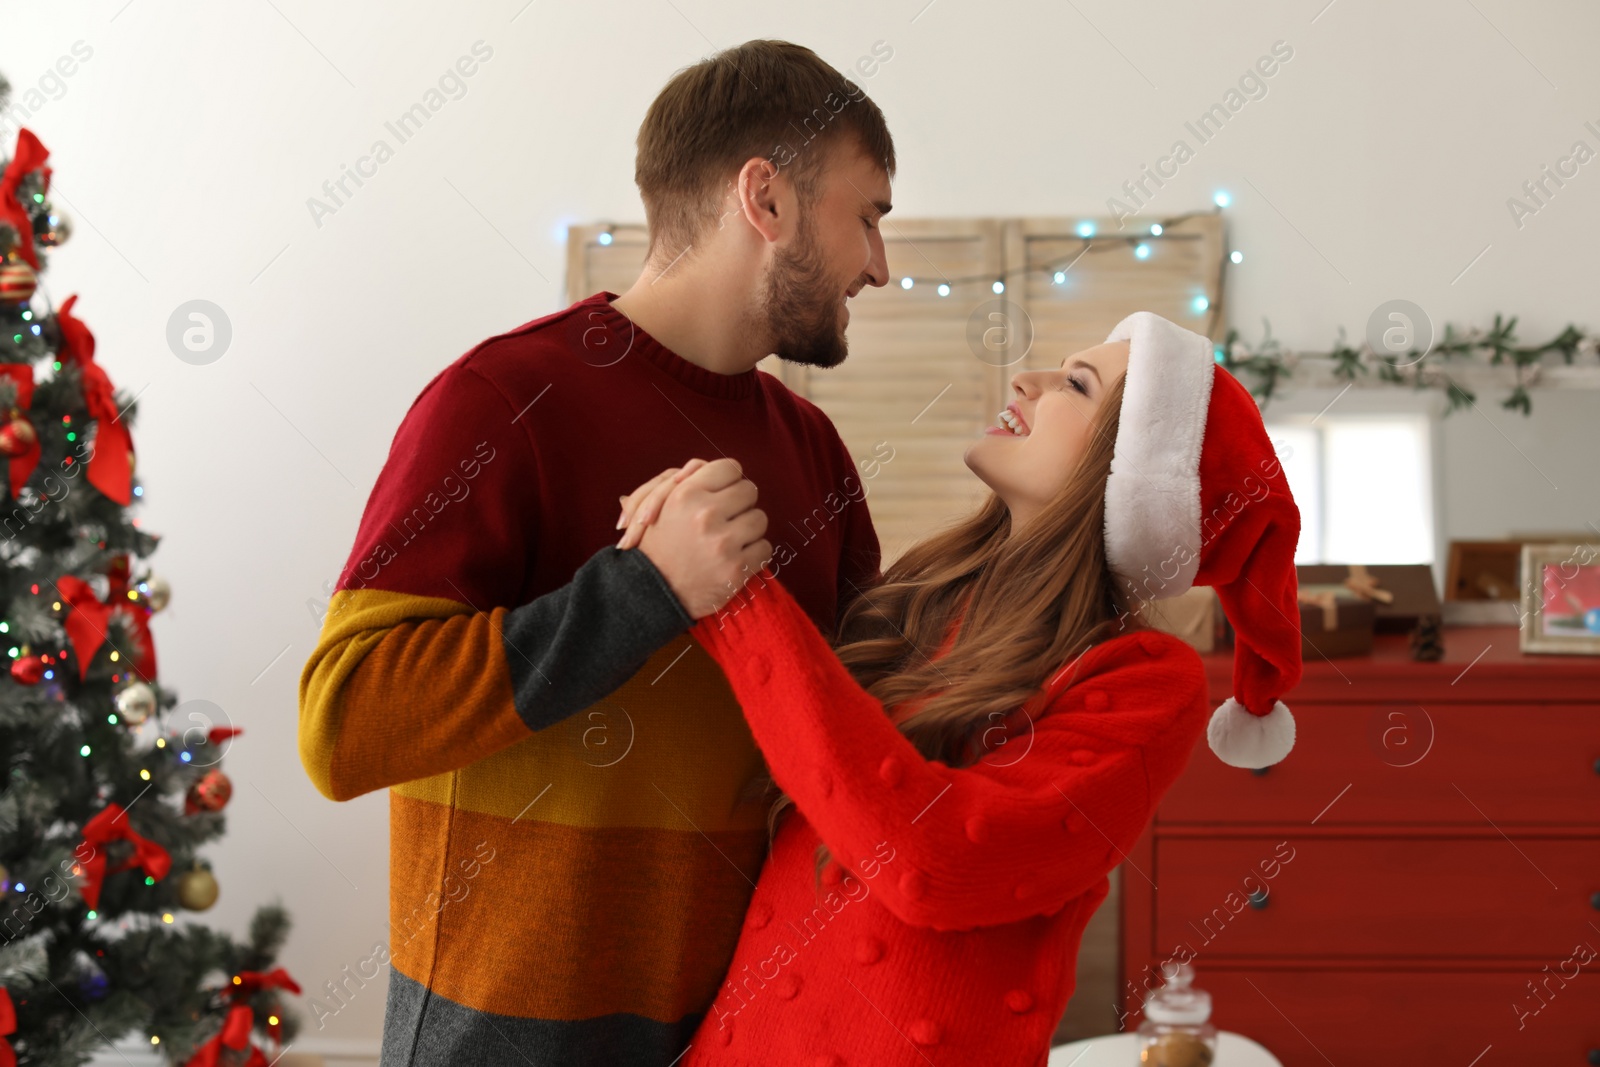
pixel 210 1053
pixel 21 466
pixel 235 1032
pixel 86 625
pixel 29 157
pixel 8 1026
pixel 252 982
pixel 111 466
pixel 108 826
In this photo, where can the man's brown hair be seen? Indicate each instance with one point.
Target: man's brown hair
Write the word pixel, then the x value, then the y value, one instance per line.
pixel 771 99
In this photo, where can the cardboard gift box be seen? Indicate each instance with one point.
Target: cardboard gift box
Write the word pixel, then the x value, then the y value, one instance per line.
pixel 1334 621
pixel 1191 616
pixel 1401 593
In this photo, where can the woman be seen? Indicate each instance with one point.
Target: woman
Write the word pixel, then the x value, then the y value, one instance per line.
pixel 995 727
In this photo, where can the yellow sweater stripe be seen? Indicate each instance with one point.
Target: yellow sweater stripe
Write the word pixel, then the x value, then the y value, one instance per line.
pixel 672 752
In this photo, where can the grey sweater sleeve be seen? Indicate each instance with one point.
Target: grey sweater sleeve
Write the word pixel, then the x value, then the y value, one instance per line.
pixel 574 645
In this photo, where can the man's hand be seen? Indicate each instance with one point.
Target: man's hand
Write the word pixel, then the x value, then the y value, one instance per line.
pixel 700 528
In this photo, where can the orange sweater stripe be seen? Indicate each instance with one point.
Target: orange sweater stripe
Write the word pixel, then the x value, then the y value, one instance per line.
pixel 589 940
pixel 351 742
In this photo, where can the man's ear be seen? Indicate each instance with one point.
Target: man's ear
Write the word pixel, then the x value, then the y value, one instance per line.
pixel 765 198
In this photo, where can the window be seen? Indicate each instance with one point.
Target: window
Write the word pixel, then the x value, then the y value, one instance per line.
pixel 1364 486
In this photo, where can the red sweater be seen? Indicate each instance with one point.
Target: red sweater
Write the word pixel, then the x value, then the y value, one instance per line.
pixel 952 938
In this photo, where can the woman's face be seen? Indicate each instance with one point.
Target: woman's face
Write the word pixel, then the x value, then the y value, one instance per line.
pixel 1030 452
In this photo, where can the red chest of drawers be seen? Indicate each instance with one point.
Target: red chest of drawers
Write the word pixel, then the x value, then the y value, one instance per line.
pixel 1418 882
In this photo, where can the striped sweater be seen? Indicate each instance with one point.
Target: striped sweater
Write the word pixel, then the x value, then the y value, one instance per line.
pixel 577 816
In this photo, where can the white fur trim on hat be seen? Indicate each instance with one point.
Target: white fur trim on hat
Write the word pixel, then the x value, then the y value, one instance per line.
pixel 1152 515
pixel 1241 739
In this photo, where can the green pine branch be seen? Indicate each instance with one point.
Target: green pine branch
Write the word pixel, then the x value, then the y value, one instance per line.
pixel 1264 365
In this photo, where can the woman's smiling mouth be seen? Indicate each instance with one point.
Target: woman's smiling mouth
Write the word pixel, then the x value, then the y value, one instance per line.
pixel 1011 419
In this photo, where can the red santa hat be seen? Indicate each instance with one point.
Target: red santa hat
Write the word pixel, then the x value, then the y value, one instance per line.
pixel 1197 496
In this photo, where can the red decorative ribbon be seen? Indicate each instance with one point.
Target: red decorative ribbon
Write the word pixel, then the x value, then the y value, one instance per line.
pixel 20 468
pixel 112 825
pixel 8 1026
pixel 235 1032
pixel 252 982
pixel 29 157
pixel 110 468
pixel 210 1053
pixel 86 626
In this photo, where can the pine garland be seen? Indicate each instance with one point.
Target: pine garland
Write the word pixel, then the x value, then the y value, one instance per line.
pixel 1265 364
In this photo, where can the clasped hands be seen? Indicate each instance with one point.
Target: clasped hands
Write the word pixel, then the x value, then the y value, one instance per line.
pixel 698 524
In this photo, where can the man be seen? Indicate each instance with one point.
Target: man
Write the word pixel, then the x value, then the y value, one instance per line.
pixel 577 809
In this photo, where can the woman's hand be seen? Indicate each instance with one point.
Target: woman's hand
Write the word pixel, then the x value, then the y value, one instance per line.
pixel 640 507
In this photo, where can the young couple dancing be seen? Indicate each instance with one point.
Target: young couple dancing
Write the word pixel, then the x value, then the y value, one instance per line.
pixel 709 795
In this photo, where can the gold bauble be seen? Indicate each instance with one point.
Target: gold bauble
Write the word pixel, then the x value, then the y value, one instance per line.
pixel 197 889
pixel 136 703
pixel 158 591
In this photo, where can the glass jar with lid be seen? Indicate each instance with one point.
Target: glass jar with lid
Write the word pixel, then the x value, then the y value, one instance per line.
pixel 1176 1031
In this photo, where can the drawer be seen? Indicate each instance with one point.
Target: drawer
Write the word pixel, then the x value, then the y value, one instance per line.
pixel 1403 763
pixel 1389 1018
pixel 1377 897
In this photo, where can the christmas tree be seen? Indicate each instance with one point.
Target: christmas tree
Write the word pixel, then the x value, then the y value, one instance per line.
pixel 110 786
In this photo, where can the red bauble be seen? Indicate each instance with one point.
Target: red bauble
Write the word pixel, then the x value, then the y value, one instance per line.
pixel 16 437
pixel 210 793
pixel 27 670
pixel 17 282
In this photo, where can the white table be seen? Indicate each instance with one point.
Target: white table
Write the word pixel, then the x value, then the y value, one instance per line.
pixel 1122 1050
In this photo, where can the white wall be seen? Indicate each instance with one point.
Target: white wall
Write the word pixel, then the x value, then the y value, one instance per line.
pixel 1377 166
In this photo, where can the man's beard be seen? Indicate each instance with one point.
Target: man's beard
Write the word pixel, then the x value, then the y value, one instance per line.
pixel 801 305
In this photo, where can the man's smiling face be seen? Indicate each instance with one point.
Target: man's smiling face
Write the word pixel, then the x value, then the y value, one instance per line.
pixel 836 250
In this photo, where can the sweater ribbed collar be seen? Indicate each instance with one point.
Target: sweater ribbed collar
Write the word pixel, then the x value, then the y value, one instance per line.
pixel 632 339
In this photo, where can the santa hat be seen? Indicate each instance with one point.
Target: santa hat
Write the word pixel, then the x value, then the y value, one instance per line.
pixel 1197 496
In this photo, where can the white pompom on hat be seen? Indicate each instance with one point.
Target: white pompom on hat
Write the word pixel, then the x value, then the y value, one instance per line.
pixel 1197 496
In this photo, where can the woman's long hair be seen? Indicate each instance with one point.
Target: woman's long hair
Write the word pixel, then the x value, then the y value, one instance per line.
pixel 1033 603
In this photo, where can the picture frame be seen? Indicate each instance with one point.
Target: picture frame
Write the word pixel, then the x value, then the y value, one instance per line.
pixel 1561 598
pixel 1483 570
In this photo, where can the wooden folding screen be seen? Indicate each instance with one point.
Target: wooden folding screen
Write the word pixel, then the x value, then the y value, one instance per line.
pixel 927 372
